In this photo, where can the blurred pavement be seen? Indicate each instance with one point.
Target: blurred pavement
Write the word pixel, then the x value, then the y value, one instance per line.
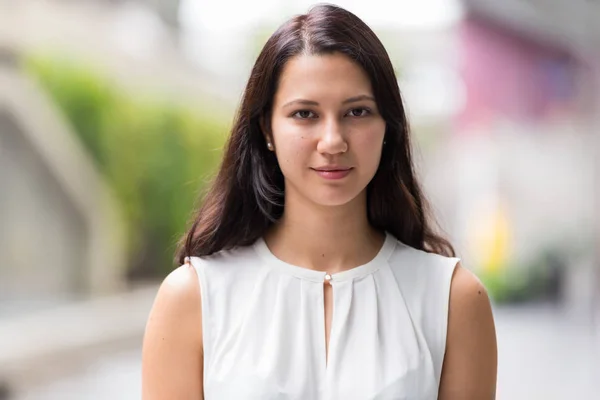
pixel 545 352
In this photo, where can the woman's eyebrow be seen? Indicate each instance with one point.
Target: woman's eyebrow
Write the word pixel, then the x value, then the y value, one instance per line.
pixel 359 98
pixel 314 103
pixel 301 101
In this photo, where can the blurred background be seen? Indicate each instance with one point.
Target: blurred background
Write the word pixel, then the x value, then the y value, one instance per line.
pixel 113 114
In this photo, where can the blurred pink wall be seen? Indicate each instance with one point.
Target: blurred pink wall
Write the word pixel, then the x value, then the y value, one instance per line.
pixel 510 75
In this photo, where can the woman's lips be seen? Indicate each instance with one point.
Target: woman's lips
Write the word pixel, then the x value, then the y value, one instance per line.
pixel 332 173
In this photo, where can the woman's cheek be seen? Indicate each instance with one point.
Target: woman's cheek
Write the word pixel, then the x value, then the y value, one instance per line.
pixel 289 157
pixel 295 148
pixel 368 143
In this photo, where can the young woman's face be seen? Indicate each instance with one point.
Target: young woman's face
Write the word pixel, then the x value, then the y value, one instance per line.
pixel 326 129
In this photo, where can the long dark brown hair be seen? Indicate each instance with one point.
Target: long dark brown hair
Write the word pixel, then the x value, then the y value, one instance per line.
pixel 247 195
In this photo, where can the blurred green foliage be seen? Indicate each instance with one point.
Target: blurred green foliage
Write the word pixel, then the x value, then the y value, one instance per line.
pixel 541 279
pixel 156 154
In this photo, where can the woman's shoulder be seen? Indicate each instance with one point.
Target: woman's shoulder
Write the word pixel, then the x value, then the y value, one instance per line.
pixel 471 353
pixel 179 291
pixel 173 335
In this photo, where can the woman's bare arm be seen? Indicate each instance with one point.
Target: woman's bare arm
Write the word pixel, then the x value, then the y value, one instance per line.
pixel 172 359
pixel 470 363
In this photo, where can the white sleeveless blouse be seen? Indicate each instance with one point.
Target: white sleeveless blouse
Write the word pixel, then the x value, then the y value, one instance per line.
pixel 264 326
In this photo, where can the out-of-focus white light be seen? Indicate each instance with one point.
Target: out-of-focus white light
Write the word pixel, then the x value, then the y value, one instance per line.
pixel 218 16
pixel 137 30
pixel 218 34
pixel 432 90
pixel 407 14
pixel 235 14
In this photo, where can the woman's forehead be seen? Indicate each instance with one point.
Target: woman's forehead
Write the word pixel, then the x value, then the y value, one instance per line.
pixel 311 77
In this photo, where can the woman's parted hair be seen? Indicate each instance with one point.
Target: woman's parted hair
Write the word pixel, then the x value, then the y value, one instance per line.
pixel 247 195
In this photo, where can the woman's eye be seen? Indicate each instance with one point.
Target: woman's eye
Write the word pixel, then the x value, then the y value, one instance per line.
pixel 358 112
pixel 303 114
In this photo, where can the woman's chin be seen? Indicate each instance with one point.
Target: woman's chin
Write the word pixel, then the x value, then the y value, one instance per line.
pixel 336 199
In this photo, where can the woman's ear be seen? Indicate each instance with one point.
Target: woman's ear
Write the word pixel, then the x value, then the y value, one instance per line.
pixel 266 131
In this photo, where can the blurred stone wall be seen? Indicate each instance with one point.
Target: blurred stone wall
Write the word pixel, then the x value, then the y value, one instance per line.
pixel 42 236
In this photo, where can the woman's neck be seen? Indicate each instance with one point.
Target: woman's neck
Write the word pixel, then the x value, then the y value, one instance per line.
pixel 325 238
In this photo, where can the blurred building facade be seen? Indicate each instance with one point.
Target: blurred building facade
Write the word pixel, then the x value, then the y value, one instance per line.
pixel 503 103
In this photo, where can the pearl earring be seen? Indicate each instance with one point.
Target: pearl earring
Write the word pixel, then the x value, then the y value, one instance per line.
pixel 270 146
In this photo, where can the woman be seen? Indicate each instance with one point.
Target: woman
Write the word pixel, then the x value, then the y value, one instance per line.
pixel 311 270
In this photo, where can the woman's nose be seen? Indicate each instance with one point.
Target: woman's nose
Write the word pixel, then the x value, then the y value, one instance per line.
pixel 332 140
